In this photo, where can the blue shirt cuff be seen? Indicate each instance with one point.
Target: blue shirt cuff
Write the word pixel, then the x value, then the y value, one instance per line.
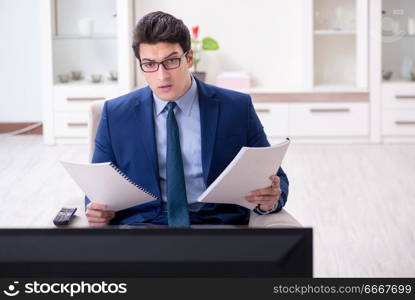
pixel 266 212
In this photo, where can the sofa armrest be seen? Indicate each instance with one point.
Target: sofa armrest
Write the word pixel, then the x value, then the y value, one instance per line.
pixel 280 219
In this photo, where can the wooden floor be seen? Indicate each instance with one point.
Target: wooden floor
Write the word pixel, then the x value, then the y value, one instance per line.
pixel 359 199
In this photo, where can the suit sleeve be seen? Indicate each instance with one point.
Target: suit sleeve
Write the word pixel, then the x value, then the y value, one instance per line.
pixel 103 148
pixel 258 138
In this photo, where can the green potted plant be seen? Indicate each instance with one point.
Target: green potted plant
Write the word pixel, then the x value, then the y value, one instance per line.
pixel 207 43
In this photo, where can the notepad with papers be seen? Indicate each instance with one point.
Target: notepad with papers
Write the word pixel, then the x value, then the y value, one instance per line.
pixel 249 170
pixel 105 183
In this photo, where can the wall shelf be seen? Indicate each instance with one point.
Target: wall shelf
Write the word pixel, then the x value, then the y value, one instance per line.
pixel 398 35
pixel 80 37
pixel 334 32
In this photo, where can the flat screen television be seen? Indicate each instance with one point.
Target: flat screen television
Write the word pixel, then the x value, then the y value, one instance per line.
pixel 157 252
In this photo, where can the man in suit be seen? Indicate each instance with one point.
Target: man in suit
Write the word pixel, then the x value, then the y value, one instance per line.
pixel 175 136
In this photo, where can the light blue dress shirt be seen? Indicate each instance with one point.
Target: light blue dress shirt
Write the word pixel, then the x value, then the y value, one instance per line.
pixel 188 119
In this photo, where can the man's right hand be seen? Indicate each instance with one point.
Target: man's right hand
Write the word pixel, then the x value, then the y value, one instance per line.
pixel 97 214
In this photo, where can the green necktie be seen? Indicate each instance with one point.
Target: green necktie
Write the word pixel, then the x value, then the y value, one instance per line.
pixel 177 208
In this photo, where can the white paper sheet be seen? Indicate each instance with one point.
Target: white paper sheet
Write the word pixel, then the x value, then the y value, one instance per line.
pixel 103 183
pixel 249 170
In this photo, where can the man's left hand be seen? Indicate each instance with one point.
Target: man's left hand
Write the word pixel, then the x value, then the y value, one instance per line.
pixel 266 197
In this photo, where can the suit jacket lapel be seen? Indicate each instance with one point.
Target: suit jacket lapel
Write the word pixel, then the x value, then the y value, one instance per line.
pixel 146 134
pixel 209 110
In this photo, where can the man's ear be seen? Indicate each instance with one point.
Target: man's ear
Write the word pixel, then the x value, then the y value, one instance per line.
pixel 189 58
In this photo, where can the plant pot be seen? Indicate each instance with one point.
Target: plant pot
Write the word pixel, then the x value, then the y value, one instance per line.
pixel 200 75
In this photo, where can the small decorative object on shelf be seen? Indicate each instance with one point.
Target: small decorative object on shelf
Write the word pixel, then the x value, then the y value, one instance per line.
pixel 113 76
pixel 76 75
pixel 207 43
pixel 64 78
pixel 96 78
pixel 386 75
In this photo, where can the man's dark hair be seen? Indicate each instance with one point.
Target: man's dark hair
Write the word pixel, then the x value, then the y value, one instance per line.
pixel 157 27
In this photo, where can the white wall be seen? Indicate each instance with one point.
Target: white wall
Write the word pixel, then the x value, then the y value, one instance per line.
pixel 20 61
pixel 263 37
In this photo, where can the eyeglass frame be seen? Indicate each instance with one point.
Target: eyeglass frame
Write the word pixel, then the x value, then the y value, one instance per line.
pixel 162 63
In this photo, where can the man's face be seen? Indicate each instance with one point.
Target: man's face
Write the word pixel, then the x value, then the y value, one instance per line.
pixel 167 84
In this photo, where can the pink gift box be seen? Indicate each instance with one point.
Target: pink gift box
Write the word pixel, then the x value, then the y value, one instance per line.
pixel 234 80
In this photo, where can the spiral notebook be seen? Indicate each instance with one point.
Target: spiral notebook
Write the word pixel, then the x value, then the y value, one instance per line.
pixel 105 183
pixel 248 171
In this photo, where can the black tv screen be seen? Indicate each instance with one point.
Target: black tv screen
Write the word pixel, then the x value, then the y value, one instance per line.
pixel 157 252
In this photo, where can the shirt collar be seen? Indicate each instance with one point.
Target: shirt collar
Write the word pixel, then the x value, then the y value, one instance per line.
pixel 184 103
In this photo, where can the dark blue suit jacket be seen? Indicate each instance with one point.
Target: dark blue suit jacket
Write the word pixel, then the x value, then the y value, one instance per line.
pixel 126 137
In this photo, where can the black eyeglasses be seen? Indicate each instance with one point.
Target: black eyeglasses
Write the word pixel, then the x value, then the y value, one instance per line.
pixel 168 64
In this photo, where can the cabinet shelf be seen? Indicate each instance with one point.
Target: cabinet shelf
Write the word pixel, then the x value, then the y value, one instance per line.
pixel 81 37
pixel 400 36
pixel 83 83
pixel 334 32
pixel 393 81
pixel 67 46
pixel 338 40
pixel 396 50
